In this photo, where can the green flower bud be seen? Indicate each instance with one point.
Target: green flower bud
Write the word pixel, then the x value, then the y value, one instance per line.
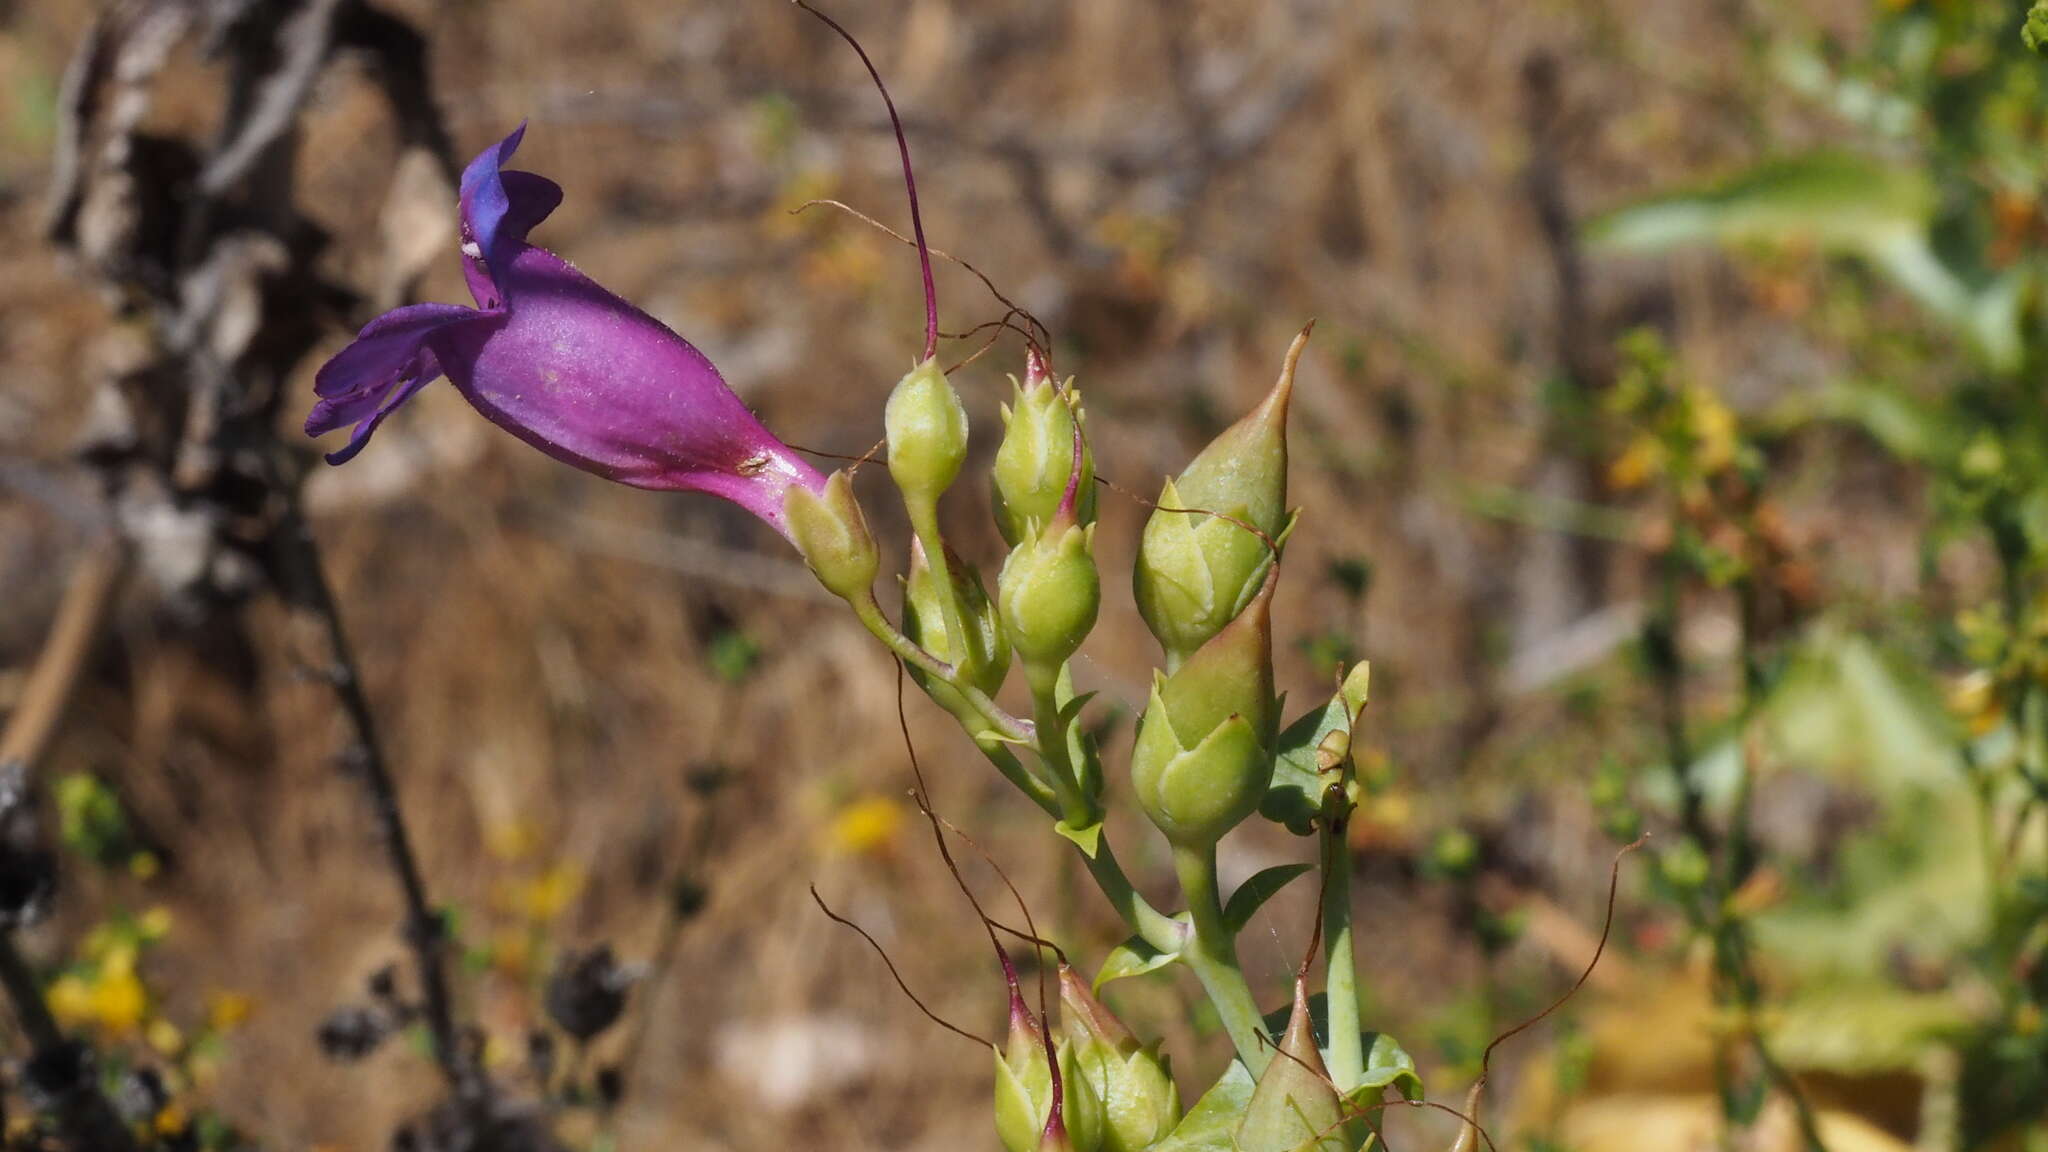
pixel 1294 1109
pixel 1198 569
pixel 1049 591
pixel 987 659
pixel 1036 458
pixel 1204 756
pixel 832 534
pixel 927 432
pixel 1140 1103
pixel 1024 1093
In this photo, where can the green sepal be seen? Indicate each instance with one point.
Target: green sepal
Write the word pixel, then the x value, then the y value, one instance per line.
pixel 1140 1103
pixel 1196 796
pixel 1016 1114
pixel 1023 1099
pixel 1035 460
pixel 1133 957
pixel 1211 1125
pixel 1088 839
pixel 831 534
pixel 1208 546
pixel 1253 893
pixel 927 433
pixel 1048 592
pixel 1294 1108
pixel 1387 1064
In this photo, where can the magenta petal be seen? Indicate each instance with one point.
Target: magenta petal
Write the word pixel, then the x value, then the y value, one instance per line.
pixel 389 361
pixel 385 346
pixel 561 363
pixel 360 407
pixel 592 380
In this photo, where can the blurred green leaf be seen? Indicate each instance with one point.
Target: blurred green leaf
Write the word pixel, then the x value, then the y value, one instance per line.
pixel 1295 795
pixel 1864 1027
pixel 1253 893
pixel 1133 957
pixel 2034 33
pixel 1387 1064
pixel 90 820
pixel 734 655
pixel 1842 202
pixel 1838 200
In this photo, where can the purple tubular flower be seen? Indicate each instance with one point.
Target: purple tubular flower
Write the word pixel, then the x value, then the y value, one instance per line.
pixel 559 362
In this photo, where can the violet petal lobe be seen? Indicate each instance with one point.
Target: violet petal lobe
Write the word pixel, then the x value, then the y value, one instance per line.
pixel 388 362
pixel 498 209
pixel 364 416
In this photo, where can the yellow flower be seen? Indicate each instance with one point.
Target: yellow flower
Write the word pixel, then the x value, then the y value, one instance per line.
pixel 865 825
pixel 164 1037
pixel 155 924
pixel 70 1000
pixel 1641 460
pixel 545 896
pixel 1713 429
pixel 225 1011
pixel 172 1120
pixel 511 840
pixel 512 951
pixel 118 999
pixel 1974 700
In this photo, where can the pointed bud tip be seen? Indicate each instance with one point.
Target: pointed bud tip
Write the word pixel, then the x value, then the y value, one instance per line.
pixel 1035 370
pixel 1273 409
pixel 1089 1018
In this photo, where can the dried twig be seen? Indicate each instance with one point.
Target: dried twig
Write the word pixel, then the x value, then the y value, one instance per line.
pixel 47 691
pixel 305 583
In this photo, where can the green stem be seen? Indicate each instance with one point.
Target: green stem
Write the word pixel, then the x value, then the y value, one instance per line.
pixel 870 614
pixel 1212 953
pixel 1340 981
pixel 1153 926
pixel 1013 770
pixel 1081 809
pixel 924 523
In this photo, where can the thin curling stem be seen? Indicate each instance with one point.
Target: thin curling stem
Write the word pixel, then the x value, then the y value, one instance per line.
pixel 910 652
pixel 924 252
pixel 1212 953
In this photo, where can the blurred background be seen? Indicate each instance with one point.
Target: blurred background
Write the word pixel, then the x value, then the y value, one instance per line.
pixel 1672 403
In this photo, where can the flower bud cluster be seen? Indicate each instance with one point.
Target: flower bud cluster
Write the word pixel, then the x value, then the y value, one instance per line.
pixel 1114 1094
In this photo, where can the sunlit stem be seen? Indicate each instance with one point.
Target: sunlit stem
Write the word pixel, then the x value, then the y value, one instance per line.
pixel 1212 953
pixel 1152 926
pixel 1347 1045
pixel 870 614
pixel 1056 747
pixel 1013 770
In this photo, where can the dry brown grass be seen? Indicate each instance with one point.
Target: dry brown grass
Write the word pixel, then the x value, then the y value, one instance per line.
pixel 1358 163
